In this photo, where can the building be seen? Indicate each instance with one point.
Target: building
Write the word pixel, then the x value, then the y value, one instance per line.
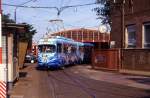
pixel 100 40
pixel 10 50
pixel 135 40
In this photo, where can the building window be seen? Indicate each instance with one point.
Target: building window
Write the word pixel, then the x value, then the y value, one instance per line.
pixel 147 35
pixel 131 36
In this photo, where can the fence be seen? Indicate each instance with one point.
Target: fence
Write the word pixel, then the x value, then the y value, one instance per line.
pixel 136 59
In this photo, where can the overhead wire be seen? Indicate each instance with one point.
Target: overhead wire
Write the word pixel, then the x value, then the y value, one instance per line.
pixel 47 7
pixel 59 10
pixel 67 3
pixel 27 2
pixel 24 6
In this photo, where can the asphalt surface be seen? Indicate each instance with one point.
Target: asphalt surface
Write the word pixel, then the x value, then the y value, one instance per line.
pixel 69 83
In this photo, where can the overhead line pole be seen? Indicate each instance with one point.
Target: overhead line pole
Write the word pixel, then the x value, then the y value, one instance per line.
pixel 123 30
pixel 15 13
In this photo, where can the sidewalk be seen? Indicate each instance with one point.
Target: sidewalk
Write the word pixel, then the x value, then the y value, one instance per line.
pixel 26 84
pixel 142 82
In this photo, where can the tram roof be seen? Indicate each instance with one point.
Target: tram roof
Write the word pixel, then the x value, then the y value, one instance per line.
pixel 88 44
pixel 57 39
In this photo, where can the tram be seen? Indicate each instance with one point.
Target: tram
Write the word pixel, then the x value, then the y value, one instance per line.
pixel 57 52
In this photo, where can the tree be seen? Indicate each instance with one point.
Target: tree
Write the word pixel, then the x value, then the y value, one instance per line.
pixel 104 11
pixel 28 35
pixel 30 31
pixel 6 18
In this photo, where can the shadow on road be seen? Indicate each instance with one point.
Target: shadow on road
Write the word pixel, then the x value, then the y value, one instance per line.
pixel 148 96
pixel 22 74
pixel 141 80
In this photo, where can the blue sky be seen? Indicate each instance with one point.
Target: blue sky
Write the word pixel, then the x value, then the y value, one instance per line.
pixel 80 17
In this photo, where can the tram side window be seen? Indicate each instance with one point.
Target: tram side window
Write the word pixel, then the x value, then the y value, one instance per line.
pixel 59 48
pixel 65 49
pixel 74 49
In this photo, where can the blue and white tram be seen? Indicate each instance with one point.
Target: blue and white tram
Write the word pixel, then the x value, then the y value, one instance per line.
pixel 56 52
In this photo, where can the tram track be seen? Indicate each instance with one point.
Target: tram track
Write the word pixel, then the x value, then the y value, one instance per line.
pixel 98 90
pixel 52 86
pixel 63 75
pixel 78 82
pixel 83 87
pixel 69 83
pixel 93 89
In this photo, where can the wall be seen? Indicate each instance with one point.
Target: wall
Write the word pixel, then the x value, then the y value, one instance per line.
pixel 22 53
pixel 106 59
pixel 136 59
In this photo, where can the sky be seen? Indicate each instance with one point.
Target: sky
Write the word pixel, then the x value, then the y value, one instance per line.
pixel 77 17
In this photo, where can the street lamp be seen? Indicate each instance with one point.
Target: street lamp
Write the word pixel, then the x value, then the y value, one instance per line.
pixel 104 30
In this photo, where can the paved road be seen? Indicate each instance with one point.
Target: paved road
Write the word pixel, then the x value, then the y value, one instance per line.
pixel 67 84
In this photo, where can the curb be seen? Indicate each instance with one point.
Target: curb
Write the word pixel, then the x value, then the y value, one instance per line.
pixel 141 73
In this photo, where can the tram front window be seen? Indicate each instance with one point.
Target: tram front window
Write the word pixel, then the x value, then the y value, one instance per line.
pixel 47 48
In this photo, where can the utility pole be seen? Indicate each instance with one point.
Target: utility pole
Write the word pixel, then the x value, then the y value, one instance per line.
pixel 15 12
pixel 121 5
pixel 3 78
pixel 15 15
pixel 123 24
pixel 123 30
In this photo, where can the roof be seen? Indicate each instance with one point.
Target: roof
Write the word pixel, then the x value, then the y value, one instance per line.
pixel 13 28
pixel 84 35
pixel 77 29
pixel 13 25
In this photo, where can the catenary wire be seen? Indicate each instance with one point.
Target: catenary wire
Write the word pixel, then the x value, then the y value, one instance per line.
pixel 27 2
pixel 47 7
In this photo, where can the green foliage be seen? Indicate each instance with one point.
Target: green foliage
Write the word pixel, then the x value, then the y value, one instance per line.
pixel 29 29
pixel 6 18
pixel 104 11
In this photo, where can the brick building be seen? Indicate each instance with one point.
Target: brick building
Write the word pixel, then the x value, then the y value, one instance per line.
pixel 136 36
pixel 137 24
pixel 100 40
